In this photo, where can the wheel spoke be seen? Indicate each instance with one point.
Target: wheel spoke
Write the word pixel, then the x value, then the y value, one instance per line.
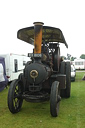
pixel 17 92
pixel 16 103
pixel 16 89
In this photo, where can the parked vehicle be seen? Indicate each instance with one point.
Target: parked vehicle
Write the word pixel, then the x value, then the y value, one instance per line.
pixel 79 63
pixel 3 78
pixel 46 74
pixel 73 73
pixel 14 65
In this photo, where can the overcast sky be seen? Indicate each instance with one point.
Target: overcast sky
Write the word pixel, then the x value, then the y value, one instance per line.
pixel 68 15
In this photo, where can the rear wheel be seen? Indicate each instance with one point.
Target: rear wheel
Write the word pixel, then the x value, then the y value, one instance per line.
pixel 55 99
pixel 62 67
pixel 56 59
pixel 15 97
pixel 68 80
pixel 65 93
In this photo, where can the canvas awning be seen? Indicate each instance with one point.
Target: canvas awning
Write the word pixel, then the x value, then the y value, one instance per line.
pixel 49 34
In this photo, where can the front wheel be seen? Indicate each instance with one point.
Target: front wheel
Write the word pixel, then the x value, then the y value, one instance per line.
pixel 55 99
pixel 15 97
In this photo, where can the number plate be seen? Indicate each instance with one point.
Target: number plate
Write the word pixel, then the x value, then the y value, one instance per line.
pixel 35 55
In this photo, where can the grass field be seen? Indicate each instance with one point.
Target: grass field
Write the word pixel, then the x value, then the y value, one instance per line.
pixel 37 115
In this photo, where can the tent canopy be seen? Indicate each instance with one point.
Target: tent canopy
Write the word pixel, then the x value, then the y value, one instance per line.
pixel 3 78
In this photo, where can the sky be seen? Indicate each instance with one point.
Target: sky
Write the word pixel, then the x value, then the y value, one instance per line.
pixel 67 15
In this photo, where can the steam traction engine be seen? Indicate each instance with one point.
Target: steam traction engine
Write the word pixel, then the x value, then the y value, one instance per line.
pixel 46 76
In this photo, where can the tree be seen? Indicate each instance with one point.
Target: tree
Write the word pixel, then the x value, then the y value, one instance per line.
pixel 72 58
pixel 64 57
pixel 68 56
pixel 82 56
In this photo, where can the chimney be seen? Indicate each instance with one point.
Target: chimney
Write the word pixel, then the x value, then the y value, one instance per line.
pixel 37 36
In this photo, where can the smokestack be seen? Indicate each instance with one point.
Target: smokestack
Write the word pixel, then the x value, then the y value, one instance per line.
pixel 37 36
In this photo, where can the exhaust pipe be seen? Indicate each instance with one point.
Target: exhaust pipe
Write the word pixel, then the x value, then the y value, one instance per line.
pixel 37 36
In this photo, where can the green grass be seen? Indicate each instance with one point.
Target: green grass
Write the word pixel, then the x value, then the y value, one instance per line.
pixel 37 115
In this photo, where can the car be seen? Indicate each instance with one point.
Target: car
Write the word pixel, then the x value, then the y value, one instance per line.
pixel 73 73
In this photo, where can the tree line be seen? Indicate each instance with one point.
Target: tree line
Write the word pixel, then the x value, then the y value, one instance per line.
pixel 69 57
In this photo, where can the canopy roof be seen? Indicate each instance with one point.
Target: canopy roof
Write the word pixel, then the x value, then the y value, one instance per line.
pixel 49 34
